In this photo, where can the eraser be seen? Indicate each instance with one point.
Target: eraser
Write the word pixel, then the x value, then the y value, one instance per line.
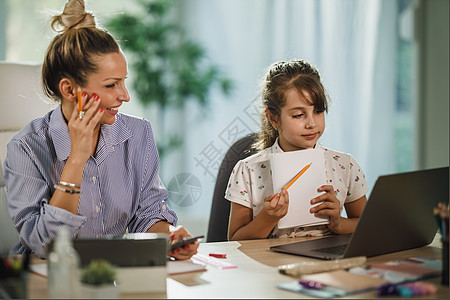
pixel 218 255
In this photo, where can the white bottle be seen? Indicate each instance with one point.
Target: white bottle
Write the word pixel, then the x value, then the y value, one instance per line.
pixel 63 268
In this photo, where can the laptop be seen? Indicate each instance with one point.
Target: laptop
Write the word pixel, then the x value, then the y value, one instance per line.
pixel 398 216
pixel 128 250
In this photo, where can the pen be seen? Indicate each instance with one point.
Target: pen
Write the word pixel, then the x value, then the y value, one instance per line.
pixel 297 176
pixel 311 267
pixel 80 106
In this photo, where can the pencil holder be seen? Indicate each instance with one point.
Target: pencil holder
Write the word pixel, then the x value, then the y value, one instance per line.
pixel 14 287
pixel 13 277
pixel 445 261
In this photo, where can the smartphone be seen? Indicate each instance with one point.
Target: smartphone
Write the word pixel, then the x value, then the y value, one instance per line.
pixel 185 241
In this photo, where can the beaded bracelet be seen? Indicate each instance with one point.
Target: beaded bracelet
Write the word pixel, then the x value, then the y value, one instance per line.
pixel 68 184
pixel 66 190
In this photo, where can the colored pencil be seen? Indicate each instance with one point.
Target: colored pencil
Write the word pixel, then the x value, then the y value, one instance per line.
pixel 80 106
pixel 297 176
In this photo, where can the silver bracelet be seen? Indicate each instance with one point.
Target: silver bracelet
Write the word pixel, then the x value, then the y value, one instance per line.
pixel 66 190
pixel 68 184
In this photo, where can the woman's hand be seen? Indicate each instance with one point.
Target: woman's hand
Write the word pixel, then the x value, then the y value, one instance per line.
pixel 330 207
pixel 188 250
pixel 82 131
pixel 276 205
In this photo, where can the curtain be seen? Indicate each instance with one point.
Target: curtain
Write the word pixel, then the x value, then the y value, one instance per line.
pixel 351 42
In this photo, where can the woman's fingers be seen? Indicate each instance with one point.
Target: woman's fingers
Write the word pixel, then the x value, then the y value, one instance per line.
pixel 90 108
pixel 188 250
pixel 93 114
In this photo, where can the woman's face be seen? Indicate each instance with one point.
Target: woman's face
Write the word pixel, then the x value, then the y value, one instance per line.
pixel 300 125
pixel 108 82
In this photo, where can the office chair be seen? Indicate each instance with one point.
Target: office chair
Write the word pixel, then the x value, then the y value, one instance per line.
pixel 220 208
pixel 21 101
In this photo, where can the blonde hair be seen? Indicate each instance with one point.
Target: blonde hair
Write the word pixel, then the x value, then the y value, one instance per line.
pixel 71 53
pixel 280 78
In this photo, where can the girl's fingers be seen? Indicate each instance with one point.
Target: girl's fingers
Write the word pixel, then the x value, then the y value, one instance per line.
pixel 274 202
pixel 283 204
pixel 327 196
pixel 269 198
pixel 326 208
pixel 282 198
pixel 285 195
pixel 326 188
pixel 327 203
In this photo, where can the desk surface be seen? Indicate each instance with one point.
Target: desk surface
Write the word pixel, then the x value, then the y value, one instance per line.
pixel 256 275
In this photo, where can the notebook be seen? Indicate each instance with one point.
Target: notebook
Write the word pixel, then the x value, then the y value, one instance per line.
pixel 398 216
pixel 302 190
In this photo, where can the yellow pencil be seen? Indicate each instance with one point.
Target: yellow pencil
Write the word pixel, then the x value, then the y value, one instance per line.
pixel 297 176
pixel 80 106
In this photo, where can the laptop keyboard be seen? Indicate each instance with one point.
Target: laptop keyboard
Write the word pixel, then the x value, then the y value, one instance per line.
pixel 339 249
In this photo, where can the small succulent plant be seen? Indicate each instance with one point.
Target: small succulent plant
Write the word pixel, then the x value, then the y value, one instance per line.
pixel 98 272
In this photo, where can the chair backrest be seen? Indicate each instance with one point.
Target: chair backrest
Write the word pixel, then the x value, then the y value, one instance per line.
pixel 8 234
pixel 220 208
pixel 21 101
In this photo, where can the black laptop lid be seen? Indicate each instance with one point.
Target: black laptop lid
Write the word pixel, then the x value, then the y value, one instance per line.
pixel 399 213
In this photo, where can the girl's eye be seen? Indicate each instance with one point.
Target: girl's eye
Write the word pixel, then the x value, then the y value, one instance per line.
pixel 110 85
pixel 319 112
pixel 297 116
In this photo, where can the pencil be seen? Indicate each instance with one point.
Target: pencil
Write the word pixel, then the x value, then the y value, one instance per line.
pixel 80 106
pixel 297 176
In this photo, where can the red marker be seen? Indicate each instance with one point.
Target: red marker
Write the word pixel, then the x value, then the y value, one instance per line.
pixel 218 255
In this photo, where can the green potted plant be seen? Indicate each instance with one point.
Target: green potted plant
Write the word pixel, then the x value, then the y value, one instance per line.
pixel 98 280
pixel 168 68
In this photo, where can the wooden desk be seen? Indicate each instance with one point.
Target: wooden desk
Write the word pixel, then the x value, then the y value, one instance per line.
pixel 256 275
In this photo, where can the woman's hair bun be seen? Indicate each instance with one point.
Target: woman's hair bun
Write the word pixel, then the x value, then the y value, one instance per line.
pixel 74 16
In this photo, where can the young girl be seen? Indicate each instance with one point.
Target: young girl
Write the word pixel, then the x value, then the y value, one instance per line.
pixel 84 165
pixel 295 103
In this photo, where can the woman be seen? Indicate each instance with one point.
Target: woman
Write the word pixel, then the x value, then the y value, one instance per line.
pixel 84 165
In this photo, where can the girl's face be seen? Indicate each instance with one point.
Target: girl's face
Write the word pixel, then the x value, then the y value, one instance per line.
pixel 300 125
pixel 108 82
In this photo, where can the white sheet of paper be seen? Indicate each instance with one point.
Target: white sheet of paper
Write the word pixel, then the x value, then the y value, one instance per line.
pixel 183 266
pixel 284 168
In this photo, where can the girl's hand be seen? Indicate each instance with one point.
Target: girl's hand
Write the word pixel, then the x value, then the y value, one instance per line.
pixel 184 252
pixel 82 130
pixel 330 206
pixel 276 205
